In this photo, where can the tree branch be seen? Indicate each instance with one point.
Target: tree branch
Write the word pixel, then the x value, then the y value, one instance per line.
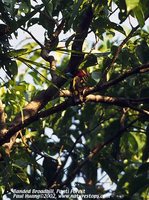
pixel 13 130
pixel 82 31
pixel 71 150
pixel 32 36
pixel 30 111
pixel 122 102
pixel 137 70
pixel 103 79
pixel 2 120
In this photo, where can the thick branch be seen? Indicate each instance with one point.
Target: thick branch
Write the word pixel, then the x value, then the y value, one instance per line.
pixel 118 101
pixel 2 120
pixel 115 100
pixel 82 31
pixel 45 96
pixel 122 102
pixel 31 110
pixel 92 98
pixel 12 131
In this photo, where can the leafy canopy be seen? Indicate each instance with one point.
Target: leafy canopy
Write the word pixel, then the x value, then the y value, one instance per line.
pixel 57 142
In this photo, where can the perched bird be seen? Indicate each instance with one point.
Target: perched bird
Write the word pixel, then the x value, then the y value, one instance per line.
pixel 78 84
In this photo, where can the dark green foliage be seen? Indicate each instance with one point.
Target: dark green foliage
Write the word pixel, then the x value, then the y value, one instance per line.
pixel 93 146
pixel 50 167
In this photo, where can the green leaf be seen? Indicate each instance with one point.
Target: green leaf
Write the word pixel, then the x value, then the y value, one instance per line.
pixel 123 10
pixel 46 22
pixel 75 10
pixel 142 51
pixel 11 68
pixel 35 76
pixel 23 177
pixel 32 62
pixel 145 155
pixel 16 53
pixel 139 15
pixel 25 7
pixel 106 63
pixel 2 190
pixel 10 6
pixel 132 142
pixel 23 20
pixel 116 27
pixel 49 7
pixel 90 60
pixel 138 183
pixel 21 173
pixel 96 75
pixel 70 39
pixel 131 4
pixel 20 88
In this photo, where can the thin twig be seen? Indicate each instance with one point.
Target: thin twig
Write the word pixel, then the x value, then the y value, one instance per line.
pixel 33 37
pixel 117 53
pixel 144 68
pixel 71 150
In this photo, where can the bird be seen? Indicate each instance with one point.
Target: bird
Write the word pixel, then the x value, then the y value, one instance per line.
pixel 79 84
